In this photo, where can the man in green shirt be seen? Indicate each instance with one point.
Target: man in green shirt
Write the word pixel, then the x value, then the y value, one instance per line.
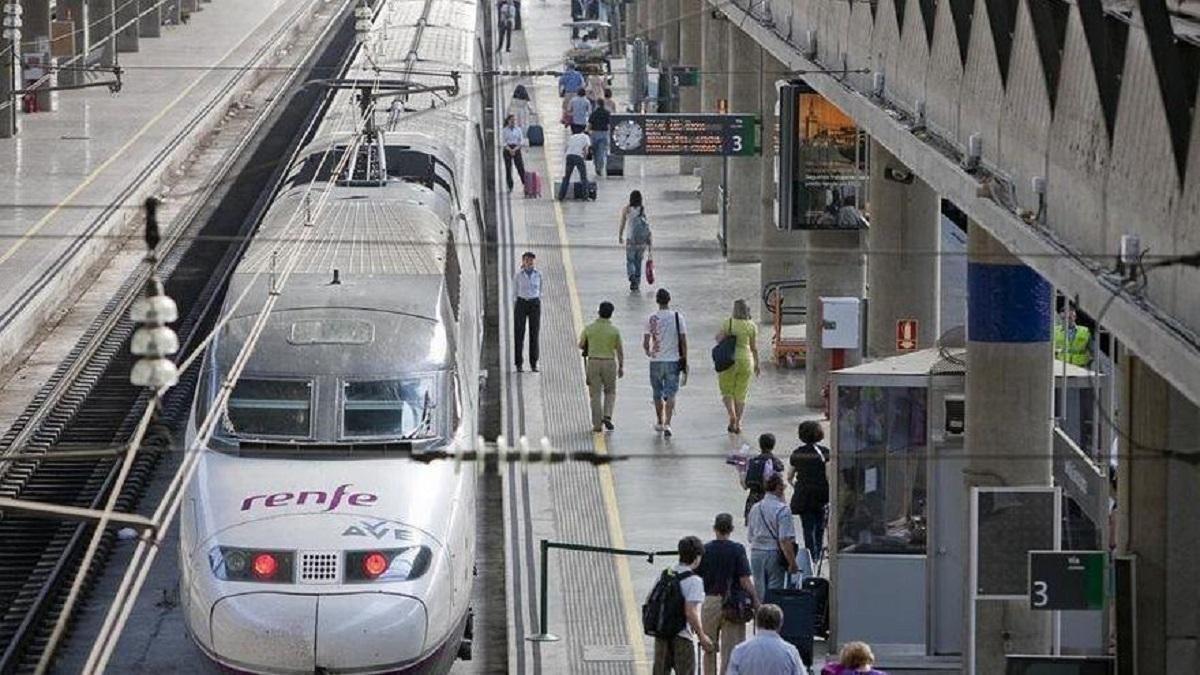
pixel 601 345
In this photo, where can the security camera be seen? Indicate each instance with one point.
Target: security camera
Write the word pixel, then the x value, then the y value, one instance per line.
pixel 903 176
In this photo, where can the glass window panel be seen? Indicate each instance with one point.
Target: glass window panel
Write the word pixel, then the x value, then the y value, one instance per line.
pixel 881 448
pixel 389 408
pixel 261 407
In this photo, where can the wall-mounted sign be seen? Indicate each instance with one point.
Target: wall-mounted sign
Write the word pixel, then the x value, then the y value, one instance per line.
pixel 822 163
pixel 906 335
pixel 692 134
pixel 1072 580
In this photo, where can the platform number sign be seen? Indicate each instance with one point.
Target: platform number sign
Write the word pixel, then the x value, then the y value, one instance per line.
pixel 1067 580
pixel 664 134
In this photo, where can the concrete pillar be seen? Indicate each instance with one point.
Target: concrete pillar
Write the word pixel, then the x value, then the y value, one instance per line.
pixel 76 12
pixel 150 25
pixel 1158 516
pixel 641 19
pixel 834 266
pixel 713 65
pixel 102 23
pixel 127 26
pixel 8 85
pixel 690 48
pixel 744 235
pixel 782 250
pixel 1008 415
pixel 903 272
pixel 668 31
pixel 35 35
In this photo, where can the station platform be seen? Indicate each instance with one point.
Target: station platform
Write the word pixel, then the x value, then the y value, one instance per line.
pixel 664 489
pixel 78 175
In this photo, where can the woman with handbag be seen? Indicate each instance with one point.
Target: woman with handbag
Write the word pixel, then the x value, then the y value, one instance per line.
pixel 734 380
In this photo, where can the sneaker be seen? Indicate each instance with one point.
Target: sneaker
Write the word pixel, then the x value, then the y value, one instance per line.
pixel 520 368
pixel 633 286
pixel 596 430
pixel 658 426
pixel 666 431
pixel 607 422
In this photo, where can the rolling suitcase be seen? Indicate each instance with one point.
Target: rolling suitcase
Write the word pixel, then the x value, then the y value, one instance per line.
pixel 582 191
pixel 615 165
pixel 799 608
pixel 536 135
pixel 819 588
pixel 533 185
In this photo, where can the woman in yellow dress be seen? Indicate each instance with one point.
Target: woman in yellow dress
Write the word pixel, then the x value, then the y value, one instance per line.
pixel 735 380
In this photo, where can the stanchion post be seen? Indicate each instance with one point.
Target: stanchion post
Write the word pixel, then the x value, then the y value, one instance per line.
pixel 544 635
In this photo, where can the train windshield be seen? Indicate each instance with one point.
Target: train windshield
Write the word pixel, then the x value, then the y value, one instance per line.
pixel 272 408
pixel 401 408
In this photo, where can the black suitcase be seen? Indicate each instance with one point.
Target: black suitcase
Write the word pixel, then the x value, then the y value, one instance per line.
pixel 582 191
pixel 819 587
pixel 799 608
pixel 615 165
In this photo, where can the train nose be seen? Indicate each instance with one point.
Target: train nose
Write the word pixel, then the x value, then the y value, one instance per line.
pixel 274 632
pixel 266 631
pixel 364 630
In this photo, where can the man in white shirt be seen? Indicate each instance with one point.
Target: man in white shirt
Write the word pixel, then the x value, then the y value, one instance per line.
pixel 766 653
pixel 665 343
pixel 577 146
pixel 677 654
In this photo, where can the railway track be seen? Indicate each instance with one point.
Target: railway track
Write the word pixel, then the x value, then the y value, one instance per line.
pixel 88 404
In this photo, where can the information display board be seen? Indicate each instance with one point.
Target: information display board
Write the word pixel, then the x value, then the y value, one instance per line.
pixel 1067 579
pixel 707 135
pixel 1009 523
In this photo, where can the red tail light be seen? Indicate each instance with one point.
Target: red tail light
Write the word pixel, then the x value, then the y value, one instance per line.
pixel 265 566
pixel 374 564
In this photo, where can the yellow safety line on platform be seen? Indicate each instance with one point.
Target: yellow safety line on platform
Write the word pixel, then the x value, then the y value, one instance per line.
pixel 105 164
pixel 608 488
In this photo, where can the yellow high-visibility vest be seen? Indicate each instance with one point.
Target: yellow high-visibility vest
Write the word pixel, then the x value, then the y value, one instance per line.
pixel 1077 351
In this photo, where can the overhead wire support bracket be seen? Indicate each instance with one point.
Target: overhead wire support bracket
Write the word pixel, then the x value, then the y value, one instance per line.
pixel 114 85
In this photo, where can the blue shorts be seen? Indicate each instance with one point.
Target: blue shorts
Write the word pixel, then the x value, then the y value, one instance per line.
pixel 664 379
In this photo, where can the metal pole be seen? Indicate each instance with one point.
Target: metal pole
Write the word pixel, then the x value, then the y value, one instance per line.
pixel 544 599
pixel 724 205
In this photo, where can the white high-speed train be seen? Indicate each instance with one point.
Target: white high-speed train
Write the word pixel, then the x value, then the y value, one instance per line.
pixel 311 540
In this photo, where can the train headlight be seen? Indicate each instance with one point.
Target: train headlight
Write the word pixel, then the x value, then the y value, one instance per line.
pixel 397 564
pixel 243 564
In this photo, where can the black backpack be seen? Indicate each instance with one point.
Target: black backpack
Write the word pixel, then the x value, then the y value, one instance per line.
pixel 663 614
pixel 756 468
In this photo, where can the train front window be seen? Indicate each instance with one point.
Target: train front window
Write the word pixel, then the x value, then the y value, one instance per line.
pixel 389 408
pixel 272 408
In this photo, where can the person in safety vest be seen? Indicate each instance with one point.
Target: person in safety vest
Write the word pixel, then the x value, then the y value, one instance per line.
pixel 1072 342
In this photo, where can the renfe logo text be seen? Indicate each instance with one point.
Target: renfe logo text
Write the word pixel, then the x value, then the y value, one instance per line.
pixel 313 497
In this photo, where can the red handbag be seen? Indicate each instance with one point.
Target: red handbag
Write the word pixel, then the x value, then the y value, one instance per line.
pixel 650 270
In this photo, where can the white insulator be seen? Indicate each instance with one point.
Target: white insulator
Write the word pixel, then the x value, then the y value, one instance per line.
pixel 362 26
pixel 154 343
pixel 156 309
pixel 362 12
pixel 13 9
pixel 12 22
pixel 13 34
pixel 154 374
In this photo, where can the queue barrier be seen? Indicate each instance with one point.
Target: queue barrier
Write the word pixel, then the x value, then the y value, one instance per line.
pixel 544 594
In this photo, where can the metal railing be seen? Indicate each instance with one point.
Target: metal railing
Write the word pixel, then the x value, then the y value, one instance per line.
pixel 544 594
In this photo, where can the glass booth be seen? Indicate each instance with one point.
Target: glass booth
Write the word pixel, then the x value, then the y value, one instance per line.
pixel 899 506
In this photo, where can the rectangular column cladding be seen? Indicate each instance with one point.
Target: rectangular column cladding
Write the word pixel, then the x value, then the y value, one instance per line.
pixel 1008 420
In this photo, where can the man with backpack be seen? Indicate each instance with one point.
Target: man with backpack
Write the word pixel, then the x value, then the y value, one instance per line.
pixel 672 613
pixel 729 596
pixel 759 469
